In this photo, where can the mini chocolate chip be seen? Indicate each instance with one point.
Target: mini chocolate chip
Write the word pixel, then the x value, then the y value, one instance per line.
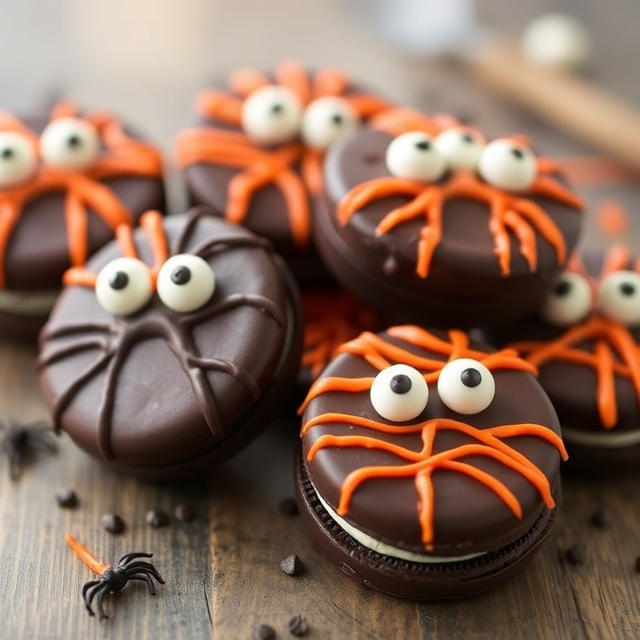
pixel 185 512
pixel 576 554
pixel 289 507
pixel 292 565
pixel 157 518
pixel 298 626
pixel 67 499
pixel 601 518
pixel 264 632
pixel 112 522
pixel 637 565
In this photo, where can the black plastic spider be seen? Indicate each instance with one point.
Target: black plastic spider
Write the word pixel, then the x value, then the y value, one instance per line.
pixel 113 579
pixel 19 440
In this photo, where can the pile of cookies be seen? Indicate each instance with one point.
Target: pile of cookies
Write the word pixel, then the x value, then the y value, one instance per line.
pixel 415 282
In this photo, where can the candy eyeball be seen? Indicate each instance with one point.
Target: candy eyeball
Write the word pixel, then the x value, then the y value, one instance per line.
pixel 461 148
pixel 466 386
pixel 18 159
pixel 619 297
pixel 124 286
pixel 399 393
pixel 568 301
pixel 185 283
pixel 507 165
pixel 71 143
pixel 414 156
pixel 327 119
pixel 272 115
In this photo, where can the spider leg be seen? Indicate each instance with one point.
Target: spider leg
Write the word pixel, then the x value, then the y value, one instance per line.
pixel 89 592
pixel 16 457
pixel 132 556
pixel 101 614
pixel 216 364
pixel 73 329
pixel 143 577
pixel 144 567
pixel 63 352
pixel 232 302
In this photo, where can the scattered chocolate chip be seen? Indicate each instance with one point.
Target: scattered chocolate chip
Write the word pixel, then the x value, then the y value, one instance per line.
pixel 185 512
pixel 157 518
pixel 638 564
pixel 298 626
pixel 601 518
pixel 292 565
pixel 289 507
pixel 575 554
pixel 67 499
pixel 264 632
pixel 112 522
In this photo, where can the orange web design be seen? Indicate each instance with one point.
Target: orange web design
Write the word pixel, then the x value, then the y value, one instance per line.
pixel 83 189
pixel 615 351
pixel 421 465
pixel 509 213
pixel 260 167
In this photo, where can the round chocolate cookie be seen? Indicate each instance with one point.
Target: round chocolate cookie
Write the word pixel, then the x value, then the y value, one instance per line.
pixel 258 153
pixel 585 342
pixel 66 182
pixel 426 217
pixel 173 346
pixel 429 465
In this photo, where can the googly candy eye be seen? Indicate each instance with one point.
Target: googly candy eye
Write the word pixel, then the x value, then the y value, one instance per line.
pixel 185 283
pixel 17 159
pixel 272 115
pixel 124 286
pixel 414 156
pixel 507 165
pixel 568 301
pixel 619 297
pixel 461 148
pixel 399 393
pixel 466 386
pixel 69 142
pixel 327 119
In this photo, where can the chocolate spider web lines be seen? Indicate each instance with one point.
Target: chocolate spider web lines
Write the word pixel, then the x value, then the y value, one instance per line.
pixel 508 213
pixel 421 465
pixel 380 354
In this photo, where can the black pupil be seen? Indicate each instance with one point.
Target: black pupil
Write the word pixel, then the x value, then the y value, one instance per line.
pixel 562 288
pixel 337 119
pixel 400 383
pixel 181 275
pixel 627 289
pixel 517 153
pixel 277 108
pixel 471 377
pixel 423 145
pixel 467 138
pixel 74 141
pixel 119 280
pixel 7 153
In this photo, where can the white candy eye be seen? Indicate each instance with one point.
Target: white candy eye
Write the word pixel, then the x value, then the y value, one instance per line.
pixel 17 159
pixel 619 297
pixel 461 148
pixel 399 393
pixel 414 156
pixel 507 165
pixel 185 283
pixel 272 115
pixel 568 301
pixel 466 386
pixel 124 286
pixel 327 119
pixel 70 143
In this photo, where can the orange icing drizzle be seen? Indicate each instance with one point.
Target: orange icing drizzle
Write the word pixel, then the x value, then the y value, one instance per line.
pixel 258 166
pixel 151 222
pixel 612 218
pixel 122 156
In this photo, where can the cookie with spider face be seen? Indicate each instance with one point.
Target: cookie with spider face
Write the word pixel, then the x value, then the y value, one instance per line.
pixel 258 153
pixel 429 464
pixel 585 341
pixel 425 216
pixel 67 181
pixel 173 346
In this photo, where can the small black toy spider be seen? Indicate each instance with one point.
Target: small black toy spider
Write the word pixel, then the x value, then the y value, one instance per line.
pixel 17 441
pixel 113 579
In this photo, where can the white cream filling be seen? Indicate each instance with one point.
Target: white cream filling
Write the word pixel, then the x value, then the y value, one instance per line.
pixel 386 549
pixel 608 440
pixel 34 303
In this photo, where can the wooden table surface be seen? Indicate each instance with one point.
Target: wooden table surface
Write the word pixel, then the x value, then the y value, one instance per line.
pixel 222 570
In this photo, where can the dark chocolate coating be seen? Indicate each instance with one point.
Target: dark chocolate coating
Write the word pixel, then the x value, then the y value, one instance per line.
pixel 465 286
pixel 468 517
pixel 154 422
